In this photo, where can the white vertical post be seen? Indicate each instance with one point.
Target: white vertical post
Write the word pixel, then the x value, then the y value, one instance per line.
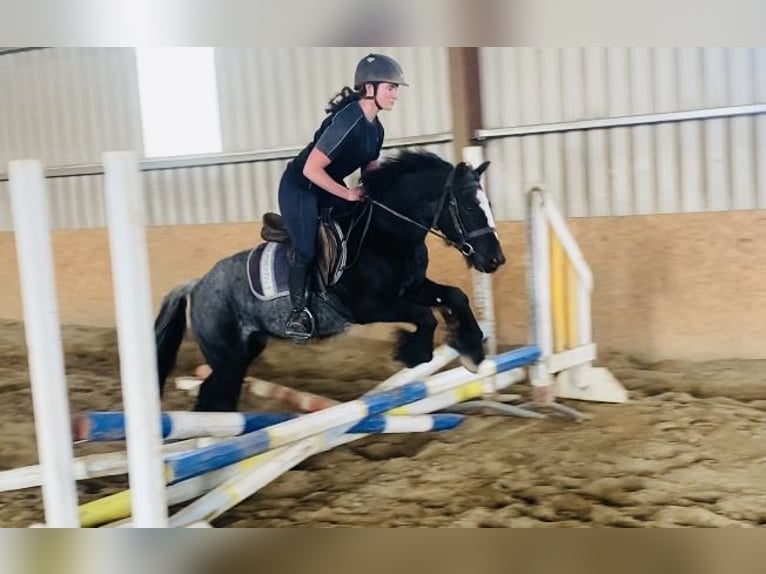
pixel 138 362
pixel 539 285
pixel 483 297
pixel 31 222
pixel 482 282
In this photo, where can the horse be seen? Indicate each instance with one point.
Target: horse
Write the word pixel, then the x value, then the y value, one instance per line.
pixel 406 197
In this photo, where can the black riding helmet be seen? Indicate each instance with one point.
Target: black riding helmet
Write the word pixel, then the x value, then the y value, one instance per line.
pixel 377 68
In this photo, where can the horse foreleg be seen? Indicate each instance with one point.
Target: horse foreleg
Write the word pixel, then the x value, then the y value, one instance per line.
pixel 465 335
pixel 413 348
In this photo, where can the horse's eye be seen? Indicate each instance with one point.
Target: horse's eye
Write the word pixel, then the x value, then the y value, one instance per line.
pixel 470 208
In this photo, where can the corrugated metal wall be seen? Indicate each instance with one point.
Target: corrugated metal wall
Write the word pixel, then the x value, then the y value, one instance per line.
pixel 67 106
pixel 275 97
pixel 700 165
pixel 225 193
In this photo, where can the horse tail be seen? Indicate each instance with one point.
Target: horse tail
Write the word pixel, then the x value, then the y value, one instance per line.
pixel 169 328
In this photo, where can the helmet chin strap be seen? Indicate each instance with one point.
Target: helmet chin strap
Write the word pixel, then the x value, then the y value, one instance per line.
pixel 374 96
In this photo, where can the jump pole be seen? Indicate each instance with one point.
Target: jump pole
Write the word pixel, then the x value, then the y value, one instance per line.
pixel 91 465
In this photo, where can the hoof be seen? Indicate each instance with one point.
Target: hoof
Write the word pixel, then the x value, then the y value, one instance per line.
pixel 203 372
pixel 469 343
pixel 469 364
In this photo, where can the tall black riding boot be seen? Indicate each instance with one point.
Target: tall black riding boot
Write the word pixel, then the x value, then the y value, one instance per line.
pixel 300 323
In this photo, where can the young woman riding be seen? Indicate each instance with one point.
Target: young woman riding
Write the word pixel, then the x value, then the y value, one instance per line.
pixel 349 138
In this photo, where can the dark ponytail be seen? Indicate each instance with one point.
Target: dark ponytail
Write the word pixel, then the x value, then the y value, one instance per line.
pixel 342 99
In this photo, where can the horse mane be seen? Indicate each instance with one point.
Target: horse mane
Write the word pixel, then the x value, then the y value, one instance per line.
pixel 376 181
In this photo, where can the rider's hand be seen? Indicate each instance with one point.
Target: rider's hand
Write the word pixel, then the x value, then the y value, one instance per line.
pixel 355 194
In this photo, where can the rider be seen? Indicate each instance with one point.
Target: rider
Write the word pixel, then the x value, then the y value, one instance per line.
pixel 349 138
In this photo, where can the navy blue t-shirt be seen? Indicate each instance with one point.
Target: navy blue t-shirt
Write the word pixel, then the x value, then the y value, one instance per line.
pixel 349 140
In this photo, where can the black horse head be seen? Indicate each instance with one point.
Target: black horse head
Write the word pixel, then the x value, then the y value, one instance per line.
pixel 433 194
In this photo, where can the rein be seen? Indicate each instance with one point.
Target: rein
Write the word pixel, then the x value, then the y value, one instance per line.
pixel 367 210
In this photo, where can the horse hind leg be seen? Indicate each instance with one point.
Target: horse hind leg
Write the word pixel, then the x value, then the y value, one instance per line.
pixel 221 389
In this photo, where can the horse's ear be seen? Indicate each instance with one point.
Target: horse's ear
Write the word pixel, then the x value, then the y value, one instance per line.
pixel 462 167
pixel 479 170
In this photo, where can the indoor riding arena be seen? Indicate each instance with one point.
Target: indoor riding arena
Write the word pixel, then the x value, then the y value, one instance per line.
pixel 627 187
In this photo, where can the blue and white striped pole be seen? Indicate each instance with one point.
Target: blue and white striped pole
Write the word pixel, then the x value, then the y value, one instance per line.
pixel 187 465
pixel 176 425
